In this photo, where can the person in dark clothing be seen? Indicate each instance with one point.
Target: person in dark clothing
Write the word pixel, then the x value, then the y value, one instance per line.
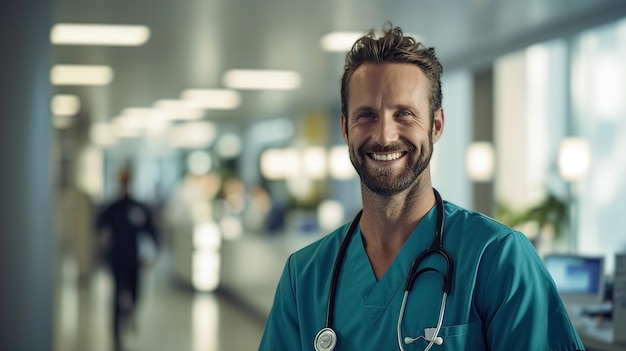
pixel 125 221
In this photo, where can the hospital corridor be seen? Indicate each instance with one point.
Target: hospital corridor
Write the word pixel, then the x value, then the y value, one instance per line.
pixel 164 163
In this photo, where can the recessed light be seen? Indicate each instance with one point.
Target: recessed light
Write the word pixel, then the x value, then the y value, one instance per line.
pixel 212 99
pixel 177 110
pixel 262 79
pixel 342 41
pixel 99 34
pixel 339 41
pixel 81 75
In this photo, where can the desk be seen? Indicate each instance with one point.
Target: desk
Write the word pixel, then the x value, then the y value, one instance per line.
pixel 595 335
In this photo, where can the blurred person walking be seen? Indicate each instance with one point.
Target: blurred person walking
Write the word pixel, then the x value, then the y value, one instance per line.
pixel 125 224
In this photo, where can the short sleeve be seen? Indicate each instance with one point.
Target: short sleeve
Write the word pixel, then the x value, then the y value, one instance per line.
pixel 281 330
pixel 518 300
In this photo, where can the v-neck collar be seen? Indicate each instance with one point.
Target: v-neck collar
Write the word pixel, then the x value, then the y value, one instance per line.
pixel 377 295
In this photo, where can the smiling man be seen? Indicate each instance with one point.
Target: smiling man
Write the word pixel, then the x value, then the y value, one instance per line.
pixel 397 277
pixel 388 126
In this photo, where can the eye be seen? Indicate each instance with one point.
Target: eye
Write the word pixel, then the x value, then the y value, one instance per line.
pixel 404 113
pixel 366 115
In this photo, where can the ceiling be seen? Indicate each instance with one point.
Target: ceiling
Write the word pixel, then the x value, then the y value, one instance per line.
pixel 193 42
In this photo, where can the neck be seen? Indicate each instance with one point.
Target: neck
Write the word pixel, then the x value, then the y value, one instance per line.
pixel 385 216
pixel 388 221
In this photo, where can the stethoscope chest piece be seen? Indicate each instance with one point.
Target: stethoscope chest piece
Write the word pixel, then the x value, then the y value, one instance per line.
pixel 325 340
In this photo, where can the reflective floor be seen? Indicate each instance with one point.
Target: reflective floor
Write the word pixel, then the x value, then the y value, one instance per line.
pixel 169 317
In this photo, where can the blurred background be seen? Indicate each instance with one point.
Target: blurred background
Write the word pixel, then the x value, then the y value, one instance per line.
pixel 228 113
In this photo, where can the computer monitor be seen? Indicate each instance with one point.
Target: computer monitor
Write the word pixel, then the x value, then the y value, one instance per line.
pixel 579 279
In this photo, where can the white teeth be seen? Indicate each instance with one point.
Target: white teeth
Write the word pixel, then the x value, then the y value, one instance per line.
pixel 387 157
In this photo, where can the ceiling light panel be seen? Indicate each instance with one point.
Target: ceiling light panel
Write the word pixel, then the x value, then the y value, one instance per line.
pixel 179 110
pixel 342 41
pixel 339 41
pixel 250 79
pixel 212 99
pixel 81 75
pixel 99 34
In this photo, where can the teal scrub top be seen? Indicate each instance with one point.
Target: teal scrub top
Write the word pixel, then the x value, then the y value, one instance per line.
pixel 502 297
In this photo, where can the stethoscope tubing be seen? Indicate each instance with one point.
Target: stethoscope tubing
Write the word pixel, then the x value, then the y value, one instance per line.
pixel 338 260
pixel 435 248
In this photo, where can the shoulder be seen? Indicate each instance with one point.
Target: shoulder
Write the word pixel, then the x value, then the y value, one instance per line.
pixel 108 207
pixel 474 224
pixel 116 204
pixel 135 206
pixel 134 202
pixel 475 237
pixel 501 251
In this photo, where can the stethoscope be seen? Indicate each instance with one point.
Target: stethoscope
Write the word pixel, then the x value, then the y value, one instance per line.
pixel 326 339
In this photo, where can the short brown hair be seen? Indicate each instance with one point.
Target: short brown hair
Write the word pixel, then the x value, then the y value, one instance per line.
pixel 393 47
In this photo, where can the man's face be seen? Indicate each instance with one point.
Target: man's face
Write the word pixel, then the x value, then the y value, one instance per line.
pixel 389 131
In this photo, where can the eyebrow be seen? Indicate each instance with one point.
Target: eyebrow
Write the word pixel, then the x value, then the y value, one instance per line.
pixel 396 107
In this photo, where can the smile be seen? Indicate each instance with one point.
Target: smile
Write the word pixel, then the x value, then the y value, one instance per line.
pixel 386 157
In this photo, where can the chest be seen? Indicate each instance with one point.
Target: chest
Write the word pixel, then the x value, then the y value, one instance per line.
pixel 369 315
pixel 380 260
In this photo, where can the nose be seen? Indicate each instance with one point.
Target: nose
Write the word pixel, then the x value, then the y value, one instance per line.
pixel 386 130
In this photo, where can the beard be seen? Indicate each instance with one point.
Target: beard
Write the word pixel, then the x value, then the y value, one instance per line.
pixel 389 180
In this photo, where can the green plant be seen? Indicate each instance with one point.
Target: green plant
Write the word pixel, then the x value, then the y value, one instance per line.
pixel 551 211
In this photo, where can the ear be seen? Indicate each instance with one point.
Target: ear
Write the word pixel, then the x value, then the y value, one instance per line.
pixel 438 125
pixel 344 128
